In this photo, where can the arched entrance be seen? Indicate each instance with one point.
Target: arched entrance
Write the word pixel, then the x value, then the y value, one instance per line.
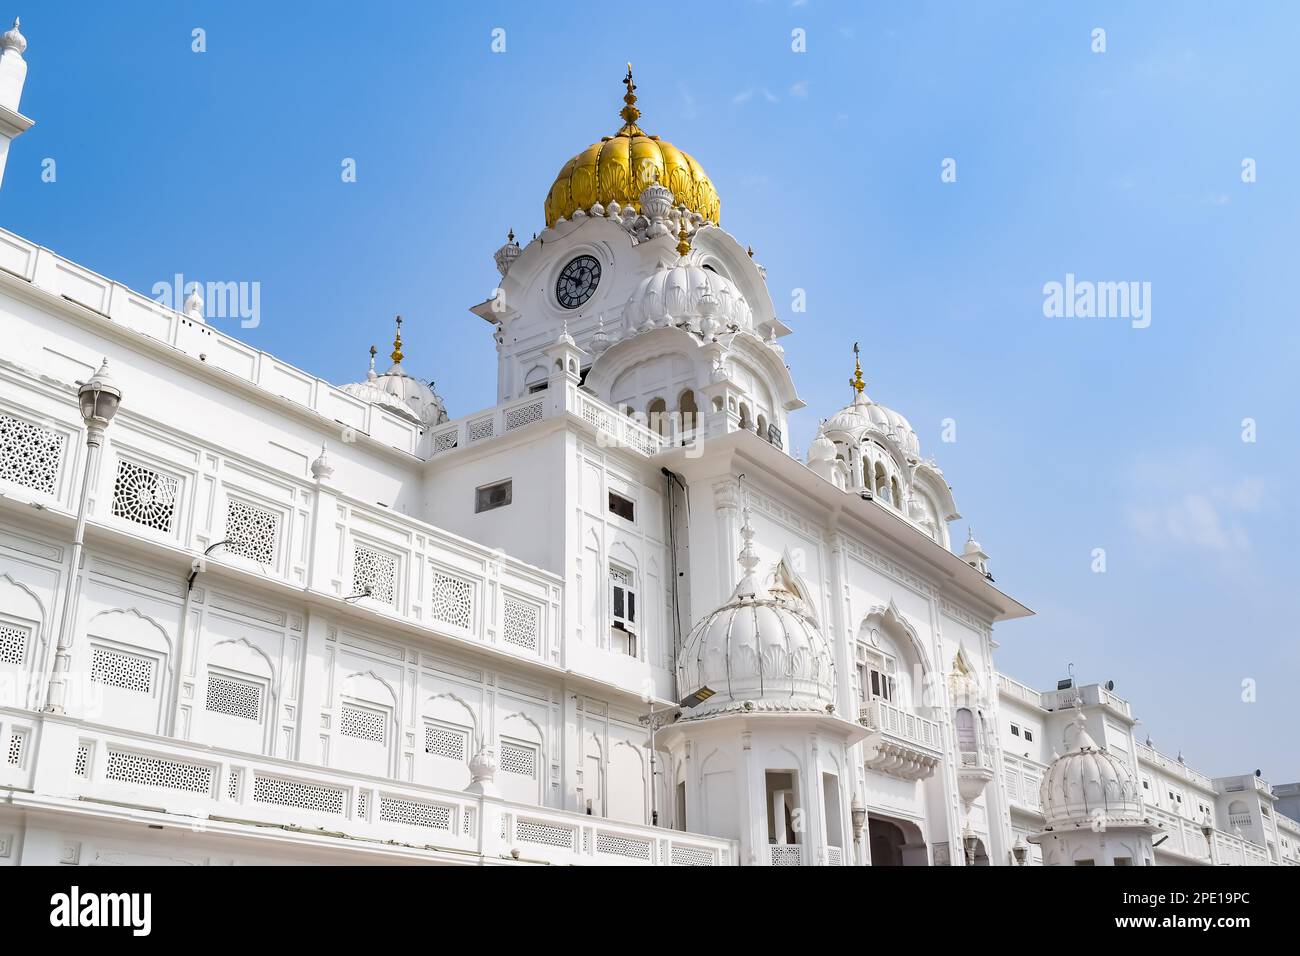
pixel 895 842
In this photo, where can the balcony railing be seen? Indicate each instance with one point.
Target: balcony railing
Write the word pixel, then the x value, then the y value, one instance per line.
pixel 612 428
pixel 1239 820
pixel 1092 694
pixel 1187 839
pixel 1021 692
pixel 245 794
pixel 1174 767
pixel 901 743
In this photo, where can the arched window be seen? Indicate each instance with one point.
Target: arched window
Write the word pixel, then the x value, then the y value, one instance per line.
pixel 967 740
pixel 882 484
pixel 762 427
pixel 657 413
pixel 896 493
pixel 688 410
pixel 746 420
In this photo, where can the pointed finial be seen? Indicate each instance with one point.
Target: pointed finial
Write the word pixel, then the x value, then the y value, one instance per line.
pixel 370 375
pixel 630 113
pixel 510 236
pixel 683 244
pixel 750 250
pixel 748 557
pixel 397 344
pixel 856 382
pixel 13 39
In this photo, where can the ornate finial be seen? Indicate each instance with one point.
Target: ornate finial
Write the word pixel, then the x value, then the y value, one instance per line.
pixel 397 343
pixel 683 244
pixel 321 468
pixel 13 39
pixel 510 236
pixel 856 382
pixel 370 375
pixel 748 557
pixel 629 112
pixel 750 250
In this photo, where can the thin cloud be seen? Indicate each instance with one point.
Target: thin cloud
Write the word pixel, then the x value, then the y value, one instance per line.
pixel 799 89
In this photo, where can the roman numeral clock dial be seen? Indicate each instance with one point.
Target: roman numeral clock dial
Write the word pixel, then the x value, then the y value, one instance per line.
pixel 577 282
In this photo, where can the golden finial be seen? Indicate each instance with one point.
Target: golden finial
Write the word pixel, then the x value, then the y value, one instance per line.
pixel 510 237
pixel 750 250
pixel 683 244
pixel 856 381
pixel 397 343
pixel 629 112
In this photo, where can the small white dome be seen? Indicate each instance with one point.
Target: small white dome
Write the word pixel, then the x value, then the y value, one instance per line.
pixel 399 392
pixel 677 293
pixel 863 418
pixel 761 651
pixel 1087 786
pixel 822 448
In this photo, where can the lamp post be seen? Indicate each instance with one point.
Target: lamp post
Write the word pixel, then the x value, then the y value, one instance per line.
pixel 98 399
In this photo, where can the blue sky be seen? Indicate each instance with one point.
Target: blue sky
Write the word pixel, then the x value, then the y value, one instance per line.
pixel 1072 434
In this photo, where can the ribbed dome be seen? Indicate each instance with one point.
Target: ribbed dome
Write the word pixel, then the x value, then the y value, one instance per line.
pixel 863 417
pixel 1086 785
pixel 619 167
pixel 398 391
pixel 678 291
pixel 761 651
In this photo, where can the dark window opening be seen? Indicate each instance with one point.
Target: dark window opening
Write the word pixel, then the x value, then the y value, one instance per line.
pixel 625 508
pixel 493 496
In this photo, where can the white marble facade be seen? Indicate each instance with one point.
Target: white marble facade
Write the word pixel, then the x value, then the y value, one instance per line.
pixel 313 624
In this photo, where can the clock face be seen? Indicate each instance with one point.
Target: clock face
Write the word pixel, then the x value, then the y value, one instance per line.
pixel 577 282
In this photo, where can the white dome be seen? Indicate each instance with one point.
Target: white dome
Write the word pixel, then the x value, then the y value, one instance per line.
pixel 761 651
pixel 399 392
pixel 863 418
pixel 822 448
pixel 677 292
pixel 1086 785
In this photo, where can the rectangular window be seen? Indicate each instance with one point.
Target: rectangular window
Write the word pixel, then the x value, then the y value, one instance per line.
pixel 1029 735
pixel 539 387
pixel 496 495
pixel 623 507
pixel 623 607
pixel 1015 730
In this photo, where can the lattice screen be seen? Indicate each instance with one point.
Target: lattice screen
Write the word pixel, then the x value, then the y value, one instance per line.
pixel 17 744
pixel 13 643
pixel 119 669
pixel 376 571
pixel 453 600
pixel 303 796
pixel 415 813
pixel 362 723
pixel 234 697
pixel 252 532
pixel 519 623
pixel 29 454
pixel 445 742
pixel 145 496
pixel 516 758
pixel 142 770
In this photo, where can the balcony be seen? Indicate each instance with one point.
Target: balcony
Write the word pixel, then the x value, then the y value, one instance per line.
pixel 113 774
pixel 973 774
pixel 1093 695
pixel 900 743
pixel 1187 841
pixel 612 428
pixel 1023 779
pixel 1174 768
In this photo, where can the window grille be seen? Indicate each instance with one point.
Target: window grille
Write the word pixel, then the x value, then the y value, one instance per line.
pixel 118 669
pixel 144 496
pixel 29 454
pixel 252 532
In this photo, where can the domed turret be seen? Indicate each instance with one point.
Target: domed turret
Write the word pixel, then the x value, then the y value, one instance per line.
pixel 399 392
pixel 685 294
pixel 1087 786
pixel 761 651
pixel 617 169
pixel 863 418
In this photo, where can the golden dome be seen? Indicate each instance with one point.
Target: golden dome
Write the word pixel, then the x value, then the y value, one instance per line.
pixel 619 167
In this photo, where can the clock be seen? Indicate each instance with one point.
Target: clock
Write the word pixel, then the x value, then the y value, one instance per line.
pixel 577 282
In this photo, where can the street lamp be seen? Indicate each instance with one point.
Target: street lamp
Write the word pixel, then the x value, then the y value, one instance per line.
pixel 98 400
pixel 1020 851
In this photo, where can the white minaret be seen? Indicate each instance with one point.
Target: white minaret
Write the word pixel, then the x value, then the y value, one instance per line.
pixel 13 73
